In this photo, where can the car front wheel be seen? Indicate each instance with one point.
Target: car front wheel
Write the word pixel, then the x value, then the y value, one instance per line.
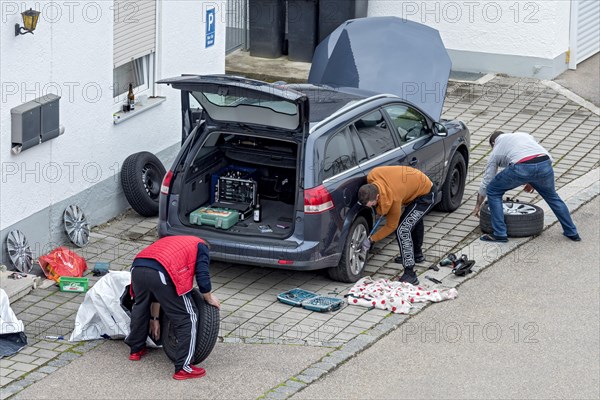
pixel 354 258
pixel 454 185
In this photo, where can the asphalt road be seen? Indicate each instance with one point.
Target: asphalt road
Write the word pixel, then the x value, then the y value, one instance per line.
pixel 585 80
pixel 233 371
pixel 525 328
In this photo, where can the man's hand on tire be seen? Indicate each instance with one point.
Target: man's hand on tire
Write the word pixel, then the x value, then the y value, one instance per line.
pixel 211 299
pixel 154 330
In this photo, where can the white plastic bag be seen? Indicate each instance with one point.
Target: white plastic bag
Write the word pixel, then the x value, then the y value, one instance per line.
pixel 101 313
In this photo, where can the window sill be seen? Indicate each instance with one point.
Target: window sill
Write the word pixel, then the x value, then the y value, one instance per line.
pixel 152 102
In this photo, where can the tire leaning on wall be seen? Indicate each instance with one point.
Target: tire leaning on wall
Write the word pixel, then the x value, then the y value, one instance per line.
pixel 141 176
pixel 527 222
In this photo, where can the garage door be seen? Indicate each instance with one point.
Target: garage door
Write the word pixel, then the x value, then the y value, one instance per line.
pixel 585 30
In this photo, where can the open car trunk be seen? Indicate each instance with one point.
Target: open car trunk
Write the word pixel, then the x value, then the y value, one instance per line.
pixel 230 172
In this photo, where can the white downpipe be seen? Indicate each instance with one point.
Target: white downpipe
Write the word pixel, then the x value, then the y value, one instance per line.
pixel 573 34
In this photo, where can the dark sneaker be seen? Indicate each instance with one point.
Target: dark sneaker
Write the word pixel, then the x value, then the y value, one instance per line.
pixel 418 259
pixel 575 238
pixel 409 277
pixel 137 356
pixel 491 238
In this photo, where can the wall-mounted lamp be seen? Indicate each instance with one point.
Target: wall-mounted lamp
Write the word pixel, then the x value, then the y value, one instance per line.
pixel 30 19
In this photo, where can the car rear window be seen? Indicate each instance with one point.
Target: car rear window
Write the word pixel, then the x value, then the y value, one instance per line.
pixel 284 107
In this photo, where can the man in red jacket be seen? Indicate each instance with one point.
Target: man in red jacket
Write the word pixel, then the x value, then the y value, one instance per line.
pixel 164 272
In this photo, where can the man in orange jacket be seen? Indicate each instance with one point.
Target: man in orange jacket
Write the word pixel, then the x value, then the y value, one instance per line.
pixel 390 189
pixel 164 272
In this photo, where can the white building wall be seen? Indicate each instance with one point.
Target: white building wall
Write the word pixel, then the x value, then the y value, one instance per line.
pixel 71 54
pixel 524 30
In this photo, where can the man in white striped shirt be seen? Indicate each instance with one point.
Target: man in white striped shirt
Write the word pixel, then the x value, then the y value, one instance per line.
pixel 525 162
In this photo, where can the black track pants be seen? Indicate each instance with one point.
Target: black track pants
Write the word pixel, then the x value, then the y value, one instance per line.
pixel 149 284
pixel 410 229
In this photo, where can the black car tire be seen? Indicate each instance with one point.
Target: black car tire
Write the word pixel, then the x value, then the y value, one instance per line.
pixel 517 225
pixel 207 332
pixel 344 271
pixel 454 185
pixel 141 177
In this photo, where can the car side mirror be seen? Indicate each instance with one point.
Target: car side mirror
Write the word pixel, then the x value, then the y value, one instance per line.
pixel 440 129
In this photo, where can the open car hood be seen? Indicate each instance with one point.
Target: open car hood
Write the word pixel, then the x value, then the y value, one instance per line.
pixel 386 55
pixel 235 100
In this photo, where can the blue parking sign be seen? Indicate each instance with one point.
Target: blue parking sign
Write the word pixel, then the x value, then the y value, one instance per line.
pixel 210 27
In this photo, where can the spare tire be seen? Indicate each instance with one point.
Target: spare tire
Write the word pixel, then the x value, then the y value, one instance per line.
pixel 522 219
pixel 207 332
pixel 141 176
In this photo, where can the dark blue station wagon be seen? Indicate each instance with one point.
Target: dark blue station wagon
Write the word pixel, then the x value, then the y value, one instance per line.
pixel 308 148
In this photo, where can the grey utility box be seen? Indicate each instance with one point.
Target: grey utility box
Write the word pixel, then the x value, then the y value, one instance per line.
pixel 35 122
pixel 49 116
pixel 25 125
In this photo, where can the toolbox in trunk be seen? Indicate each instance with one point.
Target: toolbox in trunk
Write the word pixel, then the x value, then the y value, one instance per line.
pixel 234 184
pixel 222 218
pixel 235 188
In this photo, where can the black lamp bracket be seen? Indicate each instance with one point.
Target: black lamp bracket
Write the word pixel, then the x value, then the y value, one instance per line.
pixel 19 30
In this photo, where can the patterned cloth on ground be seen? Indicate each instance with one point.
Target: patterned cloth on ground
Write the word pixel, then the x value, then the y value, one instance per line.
pixel 396 297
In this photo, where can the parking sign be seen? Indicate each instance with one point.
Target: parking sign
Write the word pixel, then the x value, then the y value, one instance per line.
pixel 210 27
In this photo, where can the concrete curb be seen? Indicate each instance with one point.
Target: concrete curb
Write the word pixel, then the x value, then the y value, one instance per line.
pixel 575 194
pixel 572 96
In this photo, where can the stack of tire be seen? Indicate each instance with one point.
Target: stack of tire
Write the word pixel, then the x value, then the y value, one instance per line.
pixel 522 219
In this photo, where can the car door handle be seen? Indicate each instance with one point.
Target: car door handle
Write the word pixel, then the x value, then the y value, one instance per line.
pixel 413 162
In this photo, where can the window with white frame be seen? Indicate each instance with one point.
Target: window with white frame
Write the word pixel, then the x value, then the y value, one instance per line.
pixel 134 47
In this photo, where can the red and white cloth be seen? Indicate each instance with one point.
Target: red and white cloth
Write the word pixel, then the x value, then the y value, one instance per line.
pixel 393 296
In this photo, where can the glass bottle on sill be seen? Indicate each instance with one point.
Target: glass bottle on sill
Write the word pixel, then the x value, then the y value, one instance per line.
pixel 131 98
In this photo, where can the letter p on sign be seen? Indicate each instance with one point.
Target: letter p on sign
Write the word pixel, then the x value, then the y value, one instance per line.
pixel 210 27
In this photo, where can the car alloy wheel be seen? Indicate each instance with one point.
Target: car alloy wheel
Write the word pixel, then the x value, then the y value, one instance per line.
pixel 521 219
pixel 354 258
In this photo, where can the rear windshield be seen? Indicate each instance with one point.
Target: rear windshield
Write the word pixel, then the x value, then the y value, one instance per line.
pixel 282 106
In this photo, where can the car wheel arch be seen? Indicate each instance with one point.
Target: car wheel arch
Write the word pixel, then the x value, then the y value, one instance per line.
pixel 350 218
pixel 458 147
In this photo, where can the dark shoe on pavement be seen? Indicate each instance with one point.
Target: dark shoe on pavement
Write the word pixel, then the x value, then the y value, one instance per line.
pixel 137 356
pixel 491 238
pixel 196 373
pixel 418 259
pixel 409 277
pixel 575 238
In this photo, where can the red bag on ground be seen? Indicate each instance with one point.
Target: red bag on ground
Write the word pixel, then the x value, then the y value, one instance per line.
pixel 62 262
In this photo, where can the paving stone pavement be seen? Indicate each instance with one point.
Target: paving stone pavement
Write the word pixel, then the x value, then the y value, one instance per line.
pixel 250 312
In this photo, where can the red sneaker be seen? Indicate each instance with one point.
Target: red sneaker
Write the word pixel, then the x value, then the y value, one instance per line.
pixel 196 373
pixel 198 370
pixel 138 355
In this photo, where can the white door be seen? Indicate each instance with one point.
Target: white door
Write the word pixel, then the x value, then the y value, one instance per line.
pixel 584 31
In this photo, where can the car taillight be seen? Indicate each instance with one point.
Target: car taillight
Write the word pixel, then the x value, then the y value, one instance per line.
pixel 317 200
pixel 166 183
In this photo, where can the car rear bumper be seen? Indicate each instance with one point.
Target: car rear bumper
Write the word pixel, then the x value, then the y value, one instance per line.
pixel 290 255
